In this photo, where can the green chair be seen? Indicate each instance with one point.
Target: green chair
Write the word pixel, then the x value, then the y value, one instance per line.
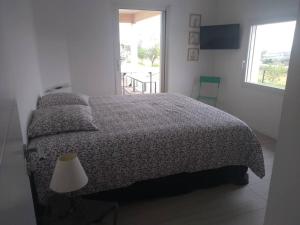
pixel 209 89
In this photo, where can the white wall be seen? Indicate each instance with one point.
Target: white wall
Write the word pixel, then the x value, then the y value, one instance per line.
pixel 6 94
pixel 184 75
pixel 21 66
pixel 51 40
pixel 76 43
pixel 16 206
pixel 283 203
pixel 90 45
pixel 259 107
pixel 87 53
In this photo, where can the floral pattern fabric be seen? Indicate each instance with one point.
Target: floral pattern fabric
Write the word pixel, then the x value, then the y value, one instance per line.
pixel 60 119
pixel 62 99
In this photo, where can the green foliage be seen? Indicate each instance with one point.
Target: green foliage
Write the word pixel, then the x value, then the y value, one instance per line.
pixel 267 61
pixel 151 54
pixel 142 53
pixel 273 75
pixel 274 68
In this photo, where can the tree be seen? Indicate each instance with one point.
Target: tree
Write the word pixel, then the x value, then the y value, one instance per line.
pixel 142 53
pixel 153 53
pixel 265 59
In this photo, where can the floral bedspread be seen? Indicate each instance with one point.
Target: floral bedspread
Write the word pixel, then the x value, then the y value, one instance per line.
pixel 148 136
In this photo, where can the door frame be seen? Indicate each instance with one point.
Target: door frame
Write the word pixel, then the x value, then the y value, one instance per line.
pixel 163 46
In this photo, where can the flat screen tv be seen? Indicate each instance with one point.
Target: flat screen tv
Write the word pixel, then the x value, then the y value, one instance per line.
pixel 220 37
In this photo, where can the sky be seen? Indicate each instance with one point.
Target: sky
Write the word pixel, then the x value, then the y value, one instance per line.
pixel 277 37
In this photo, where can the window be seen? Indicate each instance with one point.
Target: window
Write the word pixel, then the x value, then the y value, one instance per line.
pixel 269 54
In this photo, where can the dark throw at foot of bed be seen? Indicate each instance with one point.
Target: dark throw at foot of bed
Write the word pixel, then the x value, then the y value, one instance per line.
pixel 177 184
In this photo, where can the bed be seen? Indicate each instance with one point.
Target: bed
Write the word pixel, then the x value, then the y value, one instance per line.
pixel 148 137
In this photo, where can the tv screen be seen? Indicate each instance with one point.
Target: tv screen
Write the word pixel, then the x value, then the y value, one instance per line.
pixel 220 37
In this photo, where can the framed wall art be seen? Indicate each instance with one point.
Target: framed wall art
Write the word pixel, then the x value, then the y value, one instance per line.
pixel 195 20
pixel 193 54
pixel 194 38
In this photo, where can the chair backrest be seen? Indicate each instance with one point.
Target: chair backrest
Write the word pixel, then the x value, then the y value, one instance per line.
pixel 209 89
pixel 210 79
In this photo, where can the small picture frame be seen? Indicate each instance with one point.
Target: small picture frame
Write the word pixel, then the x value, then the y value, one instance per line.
pixel 193 54
pixel 195 20
pixel 194 38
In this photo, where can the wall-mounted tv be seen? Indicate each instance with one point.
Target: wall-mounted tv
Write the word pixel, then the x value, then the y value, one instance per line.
pixel 220 37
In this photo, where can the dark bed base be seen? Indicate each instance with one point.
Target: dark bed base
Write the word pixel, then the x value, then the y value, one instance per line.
pixel 170 185
pixel 164 187
pixel 176 184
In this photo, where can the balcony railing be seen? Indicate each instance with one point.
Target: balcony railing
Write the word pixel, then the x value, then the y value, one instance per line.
pixel 136 83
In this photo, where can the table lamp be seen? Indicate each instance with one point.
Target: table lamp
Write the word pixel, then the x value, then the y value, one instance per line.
pixel 68 175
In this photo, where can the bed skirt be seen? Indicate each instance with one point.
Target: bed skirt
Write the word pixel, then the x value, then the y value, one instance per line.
pixel 176 184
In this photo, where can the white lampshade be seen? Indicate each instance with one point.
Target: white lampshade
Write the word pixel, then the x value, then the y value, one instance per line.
pixel 68 174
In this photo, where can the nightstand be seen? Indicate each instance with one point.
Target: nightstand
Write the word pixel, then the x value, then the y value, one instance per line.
pixel 78 211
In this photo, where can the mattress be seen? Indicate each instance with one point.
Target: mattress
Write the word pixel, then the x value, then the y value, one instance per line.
pixel 145 137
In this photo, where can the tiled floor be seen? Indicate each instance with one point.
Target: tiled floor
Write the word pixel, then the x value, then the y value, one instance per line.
pixel 226 205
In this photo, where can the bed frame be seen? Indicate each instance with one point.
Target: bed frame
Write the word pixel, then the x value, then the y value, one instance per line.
pixel 170 185
pixel 177 184
pixel 162 187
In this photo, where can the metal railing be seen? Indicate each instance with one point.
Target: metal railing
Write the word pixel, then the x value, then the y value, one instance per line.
pixel 130 84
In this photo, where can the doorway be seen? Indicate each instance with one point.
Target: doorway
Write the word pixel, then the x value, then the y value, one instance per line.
pixel 141 43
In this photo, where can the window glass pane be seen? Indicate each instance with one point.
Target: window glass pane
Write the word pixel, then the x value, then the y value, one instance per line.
pixel 269 54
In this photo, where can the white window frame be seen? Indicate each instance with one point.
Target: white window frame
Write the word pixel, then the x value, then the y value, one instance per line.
pixel 249 53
